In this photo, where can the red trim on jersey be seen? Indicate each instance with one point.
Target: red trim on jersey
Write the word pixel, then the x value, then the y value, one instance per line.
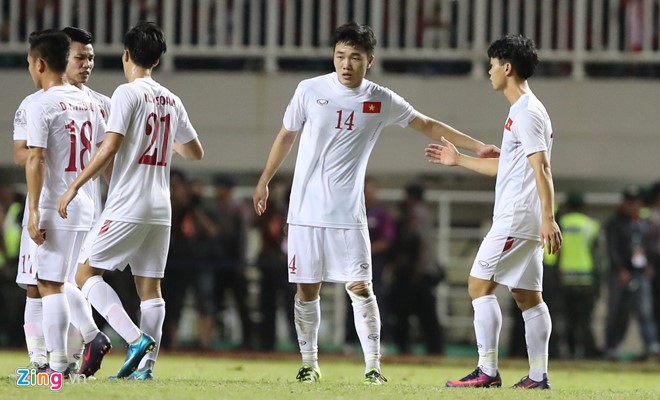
pixel 507 244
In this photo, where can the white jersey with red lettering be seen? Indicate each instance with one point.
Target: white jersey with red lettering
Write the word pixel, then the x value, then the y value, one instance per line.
pixel 339 126
pixel 65 122
pixel 517 210
pixel 150 118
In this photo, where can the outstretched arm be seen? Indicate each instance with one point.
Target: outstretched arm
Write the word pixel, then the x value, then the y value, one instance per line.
pixel 99 162
pixel 436 130
pixel 550 233
pixel 449 155
pixel 279 151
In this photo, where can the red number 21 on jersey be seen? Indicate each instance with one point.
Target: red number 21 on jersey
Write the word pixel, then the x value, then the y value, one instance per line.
pixel 159 130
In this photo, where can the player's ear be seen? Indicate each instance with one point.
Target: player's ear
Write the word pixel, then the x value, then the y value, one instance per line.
pixel 41 65
pixel 126 56
pixel 370 60
pixel 156 63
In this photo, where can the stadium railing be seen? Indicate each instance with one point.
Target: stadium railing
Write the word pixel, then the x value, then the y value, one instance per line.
pixel 574 32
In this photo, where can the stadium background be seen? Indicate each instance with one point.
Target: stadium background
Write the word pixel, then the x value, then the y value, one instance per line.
pixel 236 69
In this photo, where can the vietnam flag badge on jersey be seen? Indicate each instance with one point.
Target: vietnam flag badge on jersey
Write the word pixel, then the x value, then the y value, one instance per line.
pixel 371 107
pixel 507 126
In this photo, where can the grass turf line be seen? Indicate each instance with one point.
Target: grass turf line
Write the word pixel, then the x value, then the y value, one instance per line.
pixel 249 376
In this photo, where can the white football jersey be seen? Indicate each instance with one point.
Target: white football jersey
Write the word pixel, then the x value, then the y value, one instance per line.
pixel 20 118
pixel 527 130
pixel 339 126
pixel 150 118
pixel 20 131
pixel 65 122
pixel 103 102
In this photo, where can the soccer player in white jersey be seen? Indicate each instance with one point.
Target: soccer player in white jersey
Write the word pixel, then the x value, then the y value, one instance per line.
pixel 511 254
pixel 147 122
pixel 79 67
pixel 96 343
pixel 33 314
pixel 62 127
pixel 340 115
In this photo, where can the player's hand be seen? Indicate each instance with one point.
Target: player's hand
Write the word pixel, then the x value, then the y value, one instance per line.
pixel 259 198
pixel 65 199
pixel 551 236
pixel 488 151
pixel 445 155
pixel 37 235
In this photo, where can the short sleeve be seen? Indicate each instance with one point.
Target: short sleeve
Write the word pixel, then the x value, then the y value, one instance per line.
pixel 294 116
pixel 122 105
pixel 530 128
pixel 185 132
pixel 101 126
pixel 20 123
pixel 401 112
pixel 38 121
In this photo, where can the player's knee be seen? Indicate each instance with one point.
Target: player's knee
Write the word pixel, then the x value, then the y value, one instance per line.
pixel 33 292
pixel 359 290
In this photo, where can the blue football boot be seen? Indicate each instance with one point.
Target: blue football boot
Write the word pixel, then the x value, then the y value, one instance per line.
pixel 136 352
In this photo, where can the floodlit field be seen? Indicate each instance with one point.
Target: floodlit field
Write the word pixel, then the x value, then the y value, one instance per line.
pixel 252 376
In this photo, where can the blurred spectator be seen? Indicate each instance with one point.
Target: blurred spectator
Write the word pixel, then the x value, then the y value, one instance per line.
pixel 630 274
pixel 579 276
pixel 436 30
pixel 654 248
pixel 381 234
pixel 634 17
pixel 11 295
pixel 275 290
pixel 228 255
pixel 191 229
pixel 415 274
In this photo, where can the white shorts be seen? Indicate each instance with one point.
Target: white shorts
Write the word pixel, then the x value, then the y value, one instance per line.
pixel 55 259
pixel 24 275
pixel 513 262
pixel 328 255
pixel 112 245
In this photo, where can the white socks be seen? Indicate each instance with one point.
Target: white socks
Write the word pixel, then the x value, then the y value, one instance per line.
pixel 487 327
pixel 55 325
pixel 81 312
pixel 308 320
pixel 34 334
pixel 367 326
pixel 538 326
pixel 74 344
pixel 152 315
pixel 107 303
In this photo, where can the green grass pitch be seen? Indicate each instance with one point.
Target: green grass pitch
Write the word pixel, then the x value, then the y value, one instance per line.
pixel 259 376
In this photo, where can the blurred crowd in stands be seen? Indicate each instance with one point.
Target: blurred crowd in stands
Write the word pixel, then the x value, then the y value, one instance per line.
pixel 211 272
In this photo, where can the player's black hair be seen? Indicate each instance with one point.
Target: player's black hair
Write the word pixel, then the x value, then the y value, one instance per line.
pixel 356 35
pixel 145 43
pixel 52 46
pixel 78 35
pixel 518 50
